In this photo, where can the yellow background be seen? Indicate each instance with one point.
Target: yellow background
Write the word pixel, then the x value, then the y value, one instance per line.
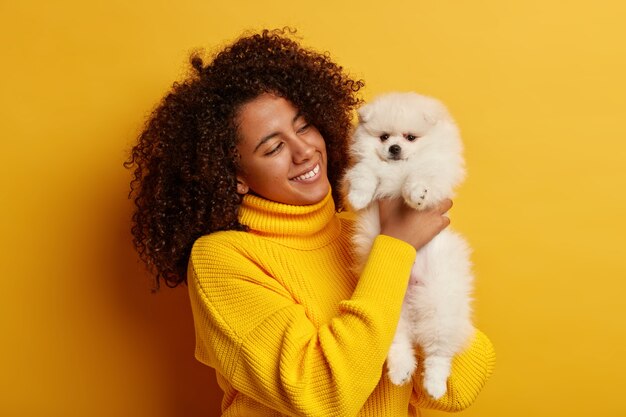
pixel 537 86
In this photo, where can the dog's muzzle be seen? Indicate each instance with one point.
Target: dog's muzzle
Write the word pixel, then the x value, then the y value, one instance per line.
pixel 395 152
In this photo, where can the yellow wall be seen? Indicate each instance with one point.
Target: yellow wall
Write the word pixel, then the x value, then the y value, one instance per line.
pixel 537 86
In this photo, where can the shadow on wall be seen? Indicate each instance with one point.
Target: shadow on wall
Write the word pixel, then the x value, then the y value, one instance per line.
pixel 163 324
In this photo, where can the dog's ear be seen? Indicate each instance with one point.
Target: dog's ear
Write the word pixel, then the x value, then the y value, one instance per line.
pixel 364 113
pixel 434 111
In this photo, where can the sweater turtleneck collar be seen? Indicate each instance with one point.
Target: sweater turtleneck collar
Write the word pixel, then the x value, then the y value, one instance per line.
pixel 305 227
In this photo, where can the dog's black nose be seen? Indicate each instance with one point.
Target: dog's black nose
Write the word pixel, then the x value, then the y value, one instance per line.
pixel 395 149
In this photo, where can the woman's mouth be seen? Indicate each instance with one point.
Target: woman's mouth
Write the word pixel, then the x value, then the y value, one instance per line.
pixel 308 176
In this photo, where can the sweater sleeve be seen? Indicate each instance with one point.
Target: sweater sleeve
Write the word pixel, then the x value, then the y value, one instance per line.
pixel 470 371
pixel 254 333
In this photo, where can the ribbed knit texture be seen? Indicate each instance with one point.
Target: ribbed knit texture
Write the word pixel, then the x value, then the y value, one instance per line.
pixel 290 330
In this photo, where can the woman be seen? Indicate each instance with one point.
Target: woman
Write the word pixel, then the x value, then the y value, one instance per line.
pixel 236 187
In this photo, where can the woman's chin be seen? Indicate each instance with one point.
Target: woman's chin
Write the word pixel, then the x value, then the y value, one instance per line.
pixel 310 193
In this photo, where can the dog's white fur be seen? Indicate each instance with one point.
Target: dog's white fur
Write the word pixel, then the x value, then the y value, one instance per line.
pixel 436 310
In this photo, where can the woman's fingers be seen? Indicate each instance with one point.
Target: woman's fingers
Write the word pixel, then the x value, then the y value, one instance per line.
pixel 414 227
pixel 387 206
pixel 444 206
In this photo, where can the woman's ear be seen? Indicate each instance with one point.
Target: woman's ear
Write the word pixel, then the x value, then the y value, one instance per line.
pixel 242 187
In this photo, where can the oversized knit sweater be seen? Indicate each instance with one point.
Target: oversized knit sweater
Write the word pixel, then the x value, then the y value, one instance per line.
pixel 291 330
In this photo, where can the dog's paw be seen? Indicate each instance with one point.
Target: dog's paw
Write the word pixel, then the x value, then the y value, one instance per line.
pixel 400 373
pixel 401 363
pixel 435 385
pixel 416 197
pixel 359 199
pixel 436 372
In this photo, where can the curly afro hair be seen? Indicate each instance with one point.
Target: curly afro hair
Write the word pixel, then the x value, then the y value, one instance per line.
pixel 185 160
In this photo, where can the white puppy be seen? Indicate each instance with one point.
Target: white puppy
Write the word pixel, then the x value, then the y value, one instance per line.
pixel 407 145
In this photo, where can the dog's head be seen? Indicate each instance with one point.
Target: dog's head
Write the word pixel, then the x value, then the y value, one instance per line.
pixel 396 125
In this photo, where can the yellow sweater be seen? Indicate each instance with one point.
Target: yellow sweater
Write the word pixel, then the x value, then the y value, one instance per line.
pixel 290 329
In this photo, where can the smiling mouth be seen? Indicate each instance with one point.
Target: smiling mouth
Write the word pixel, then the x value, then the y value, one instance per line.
pixel 308 175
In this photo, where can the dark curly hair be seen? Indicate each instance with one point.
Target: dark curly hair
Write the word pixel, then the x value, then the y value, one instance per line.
pixel 185 160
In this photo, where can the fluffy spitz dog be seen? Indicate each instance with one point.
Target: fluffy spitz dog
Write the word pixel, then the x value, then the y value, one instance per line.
pixel 407 145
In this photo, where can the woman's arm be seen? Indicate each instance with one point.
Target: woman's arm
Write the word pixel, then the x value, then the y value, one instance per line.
pixel 254 333
pixel 470 370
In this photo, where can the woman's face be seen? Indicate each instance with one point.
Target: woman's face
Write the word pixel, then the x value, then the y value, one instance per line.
pixel 283 158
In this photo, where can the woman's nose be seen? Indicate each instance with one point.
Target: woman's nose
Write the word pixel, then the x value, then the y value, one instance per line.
pixel 302 150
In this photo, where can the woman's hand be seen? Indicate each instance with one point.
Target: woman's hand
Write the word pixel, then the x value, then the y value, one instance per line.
pixel 416 228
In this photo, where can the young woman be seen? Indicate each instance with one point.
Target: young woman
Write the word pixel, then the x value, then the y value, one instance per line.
pixel 236 190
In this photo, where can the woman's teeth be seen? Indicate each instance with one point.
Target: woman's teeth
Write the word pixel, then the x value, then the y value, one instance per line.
pixel 309 174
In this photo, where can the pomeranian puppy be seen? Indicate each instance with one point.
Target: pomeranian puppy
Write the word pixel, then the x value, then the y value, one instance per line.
pixel 407 145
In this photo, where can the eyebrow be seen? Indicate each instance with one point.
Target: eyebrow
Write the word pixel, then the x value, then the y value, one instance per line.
pixel 274 134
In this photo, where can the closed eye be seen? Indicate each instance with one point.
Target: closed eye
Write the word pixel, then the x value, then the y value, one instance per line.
pixel 304 128
pixel 275 149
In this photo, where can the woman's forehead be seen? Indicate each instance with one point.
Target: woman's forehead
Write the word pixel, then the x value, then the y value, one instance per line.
pixel 265 115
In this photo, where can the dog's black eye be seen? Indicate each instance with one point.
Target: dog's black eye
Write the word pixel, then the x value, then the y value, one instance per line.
pixel 384 137
pixel 411 138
